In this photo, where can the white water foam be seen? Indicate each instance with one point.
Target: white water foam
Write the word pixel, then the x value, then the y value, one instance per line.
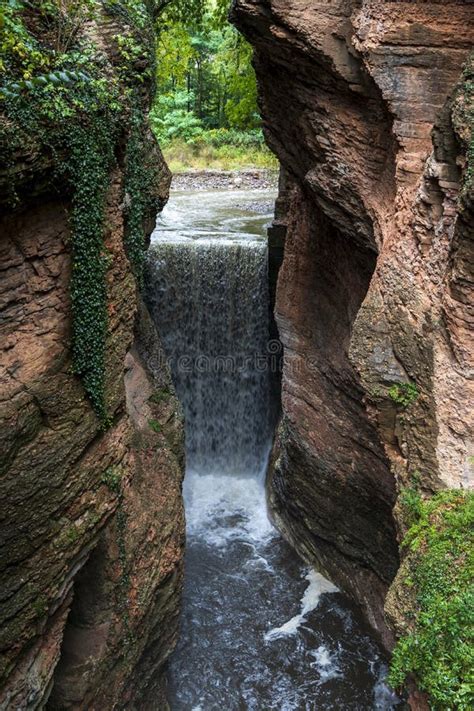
pixel 325 664
pixel 212 500
pixel 384 697
pixel 318 585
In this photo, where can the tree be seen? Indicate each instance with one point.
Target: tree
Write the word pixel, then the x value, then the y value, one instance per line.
pixel 204 58
pixel 189 11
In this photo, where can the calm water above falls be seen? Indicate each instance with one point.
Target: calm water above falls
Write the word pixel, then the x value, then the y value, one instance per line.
pixel 260 631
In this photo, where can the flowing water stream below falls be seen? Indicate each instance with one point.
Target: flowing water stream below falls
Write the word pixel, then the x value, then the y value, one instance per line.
pixel 260 631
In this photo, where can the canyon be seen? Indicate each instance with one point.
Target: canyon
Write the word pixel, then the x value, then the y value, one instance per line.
pixel 368 107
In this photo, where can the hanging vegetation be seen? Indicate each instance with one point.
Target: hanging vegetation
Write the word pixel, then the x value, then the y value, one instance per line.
pixel 62 98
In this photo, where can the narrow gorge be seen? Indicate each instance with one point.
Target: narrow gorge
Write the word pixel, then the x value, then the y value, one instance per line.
pixel 259 628
pixel 302 354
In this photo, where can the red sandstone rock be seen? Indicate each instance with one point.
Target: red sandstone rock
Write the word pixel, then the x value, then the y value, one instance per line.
pixel 91 525
pixel 376 283
pixel 59 513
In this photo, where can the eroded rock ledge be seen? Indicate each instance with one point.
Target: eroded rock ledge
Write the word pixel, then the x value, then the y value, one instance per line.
pixel 357 98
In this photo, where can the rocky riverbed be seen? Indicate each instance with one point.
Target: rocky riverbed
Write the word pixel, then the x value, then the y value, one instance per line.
pixel 226 179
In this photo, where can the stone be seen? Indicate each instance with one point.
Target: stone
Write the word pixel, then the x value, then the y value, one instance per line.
pixel 359 100
pixel 92 522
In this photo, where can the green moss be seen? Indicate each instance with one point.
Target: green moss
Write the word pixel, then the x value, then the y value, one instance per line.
pixel 154 425
pixel 72 534
pixel 403 394
pixel 112 477
pixel 40 606
pixel 68 535
pixel 160 396
pixel 439 650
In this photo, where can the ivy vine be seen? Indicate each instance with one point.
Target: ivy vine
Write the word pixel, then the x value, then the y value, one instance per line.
pixel 90 155
pixel 135 192
pixel 62 98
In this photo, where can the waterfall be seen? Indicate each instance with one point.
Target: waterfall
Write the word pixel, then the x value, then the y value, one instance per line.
pixel 259 629
pixel 209 299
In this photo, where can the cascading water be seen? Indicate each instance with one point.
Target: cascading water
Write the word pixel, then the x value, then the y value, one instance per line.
pixel 259 630
pixel 211 304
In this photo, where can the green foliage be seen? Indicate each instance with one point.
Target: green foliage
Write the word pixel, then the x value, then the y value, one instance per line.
pixel 170 118
pixel 205 77
pixel 403 394
pixel 65 77
pixel 207 93
pixel 136 13
pixel 241 107
pixel 191 12
pixel 90 154
pixel 218 137
pixel 439 651
pixel 463 121
pixel 60 97
pixel 136 45
pixel 411 505
pixel 34 33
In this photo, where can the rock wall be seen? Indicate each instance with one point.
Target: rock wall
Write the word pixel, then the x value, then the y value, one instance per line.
pixel 364 103
pixel 92 525
pixel 92 522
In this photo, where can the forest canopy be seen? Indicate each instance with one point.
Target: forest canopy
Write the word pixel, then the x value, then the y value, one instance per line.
pixel 206 86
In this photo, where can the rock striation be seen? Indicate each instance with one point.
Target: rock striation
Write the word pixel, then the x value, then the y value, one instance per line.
pixel 92 523
pixel 366 105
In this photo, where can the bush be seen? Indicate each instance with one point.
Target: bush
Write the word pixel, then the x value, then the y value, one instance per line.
pixel 170 119
pixel 218 137
pixel 403 394
pixel 187 145
pixel 196 155
pixel 439 651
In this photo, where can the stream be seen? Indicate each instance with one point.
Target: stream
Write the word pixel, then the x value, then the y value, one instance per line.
pixel 260 630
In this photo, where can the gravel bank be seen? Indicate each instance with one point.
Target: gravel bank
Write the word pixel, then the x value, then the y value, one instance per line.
pixel 221 179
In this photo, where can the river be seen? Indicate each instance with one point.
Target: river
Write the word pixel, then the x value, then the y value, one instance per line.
pixel 260 630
